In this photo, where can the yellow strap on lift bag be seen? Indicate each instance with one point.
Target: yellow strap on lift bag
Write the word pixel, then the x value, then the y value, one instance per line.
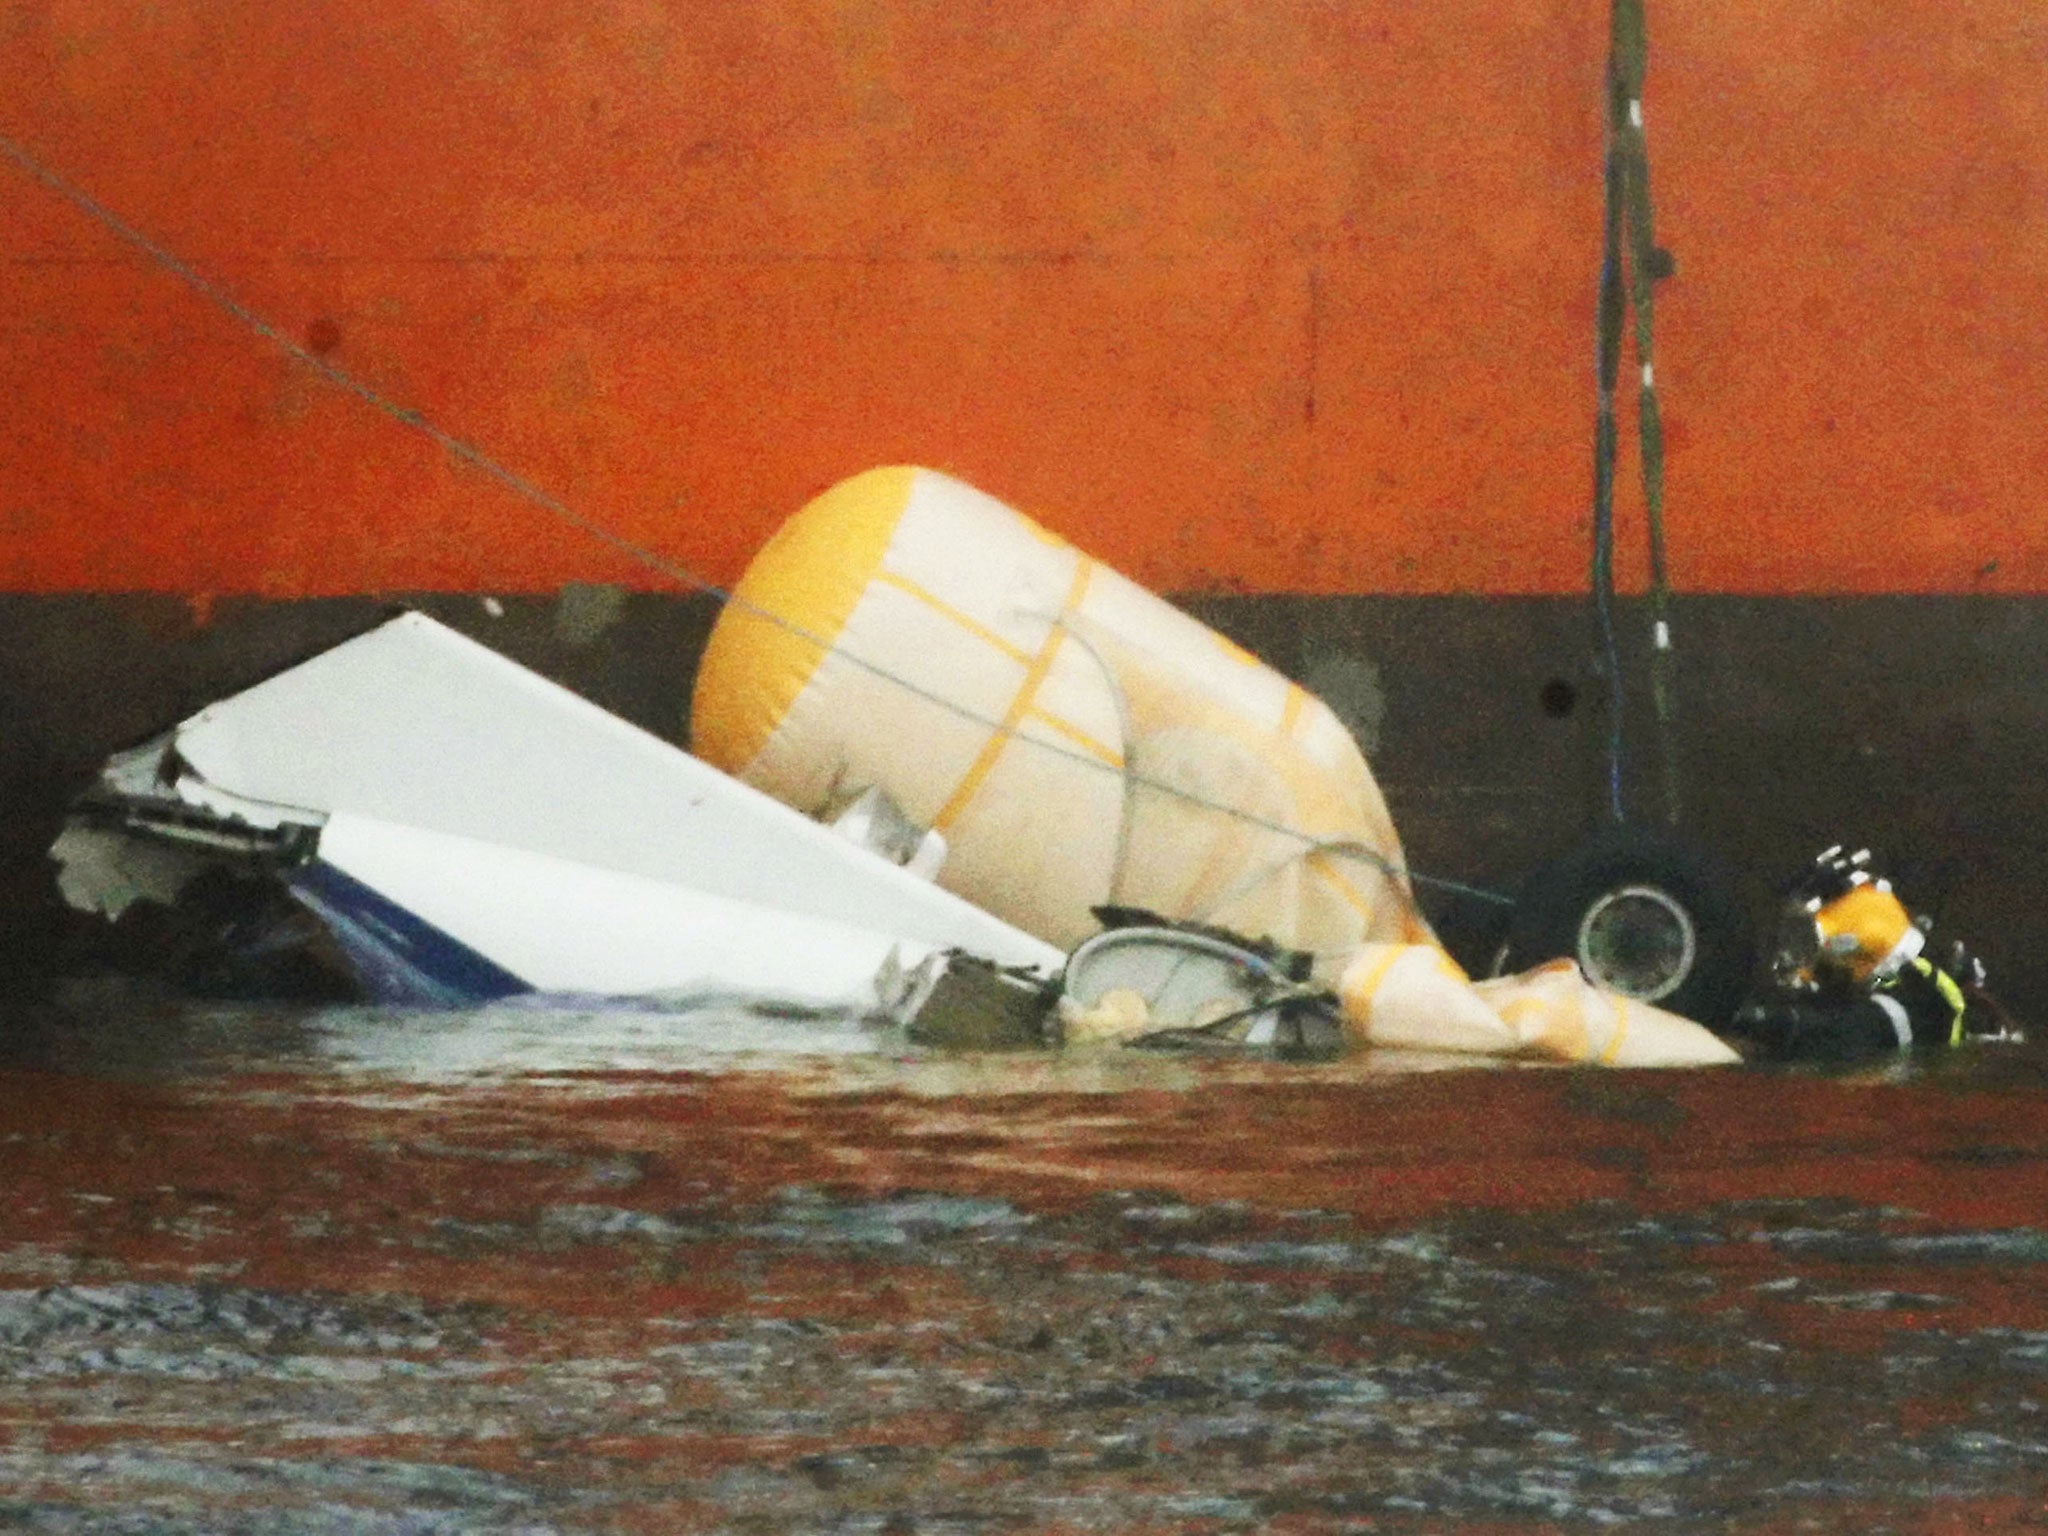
pixel 1075 739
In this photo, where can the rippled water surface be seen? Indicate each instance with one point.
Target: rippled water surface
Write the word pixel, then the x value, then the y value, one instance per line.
pixel 568 1267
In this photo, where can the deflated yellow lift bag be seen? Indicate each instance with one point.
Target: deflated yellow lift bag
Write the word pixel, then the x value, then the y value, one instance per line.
pixel 1414 996
pixel 1076 740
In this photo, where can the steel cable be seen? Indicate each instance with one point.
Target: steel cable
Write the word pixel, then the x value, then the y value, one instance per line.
pixel 468 453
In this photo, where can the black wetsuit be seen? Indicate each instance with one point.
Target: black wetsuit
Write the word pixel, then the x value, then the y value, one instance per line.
pixel 1921 1006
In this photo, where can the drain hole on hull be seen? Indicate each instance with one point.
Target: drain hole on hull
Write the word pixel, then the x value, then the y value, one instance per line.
pixel 1559 698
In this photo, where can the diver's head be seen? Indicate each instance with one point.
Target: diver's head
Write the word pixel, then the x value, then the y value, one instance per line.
pixel 1843 926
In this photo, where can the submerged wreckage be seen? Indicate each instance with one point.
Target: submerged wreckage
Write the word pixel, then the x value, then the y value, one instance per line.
pixel 931 740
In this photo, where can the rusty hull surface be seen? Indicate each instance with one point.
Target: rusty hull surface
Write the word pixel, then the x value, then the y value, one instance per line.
pixel 242 1293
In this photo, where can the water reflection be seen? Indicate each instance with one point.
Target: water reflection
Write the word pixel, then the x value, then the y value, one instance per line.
pixel 566 1266
pixel 132 1029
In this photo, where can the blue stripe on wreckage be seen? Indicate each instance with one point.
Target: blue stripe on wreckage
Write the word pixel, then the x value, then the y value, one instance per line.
pixel 398 956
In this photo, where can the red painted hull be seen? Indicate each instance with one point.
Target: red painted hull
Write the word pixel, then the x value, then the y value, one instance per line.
pixel 1271 299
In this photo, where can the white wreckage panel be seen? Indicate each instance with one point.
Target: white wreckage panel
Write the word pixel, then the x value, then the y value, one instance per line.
pixel 461 811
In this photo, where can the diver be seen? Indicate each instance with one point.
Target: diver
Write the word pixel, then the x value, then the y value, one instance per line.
pixel 1851 980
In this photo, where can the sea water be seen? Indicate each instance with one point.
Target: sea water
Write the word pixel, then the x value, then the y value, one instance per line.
pixel 566 1265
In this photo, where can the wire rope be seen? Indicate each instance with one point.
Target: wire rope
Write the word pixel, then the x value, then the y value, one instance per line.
pixel 468 453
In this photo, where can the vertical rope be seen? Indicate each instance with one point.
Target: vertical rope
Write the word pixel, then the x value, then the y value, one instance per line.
pixel 1647 265
pixel 1607 368
pixel 1631 265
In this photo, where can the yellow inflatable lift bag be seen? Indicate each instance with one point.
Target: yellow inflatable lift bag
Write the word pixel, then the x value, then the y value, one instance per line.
pixel 1077 742
pixel 1074 739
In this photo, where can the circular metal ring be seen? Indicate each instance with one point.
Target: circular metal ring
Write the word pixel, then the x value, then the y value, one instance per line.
pixel 1638 940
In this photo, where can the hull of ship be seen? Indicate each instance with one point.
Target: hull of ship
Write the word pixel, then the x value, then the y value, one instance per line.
pixel 1912 723
pixel 1286 312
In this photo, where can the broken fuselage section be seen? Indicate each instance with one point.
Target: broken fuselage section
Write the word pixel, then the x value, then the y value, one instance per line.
pixel 458 829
